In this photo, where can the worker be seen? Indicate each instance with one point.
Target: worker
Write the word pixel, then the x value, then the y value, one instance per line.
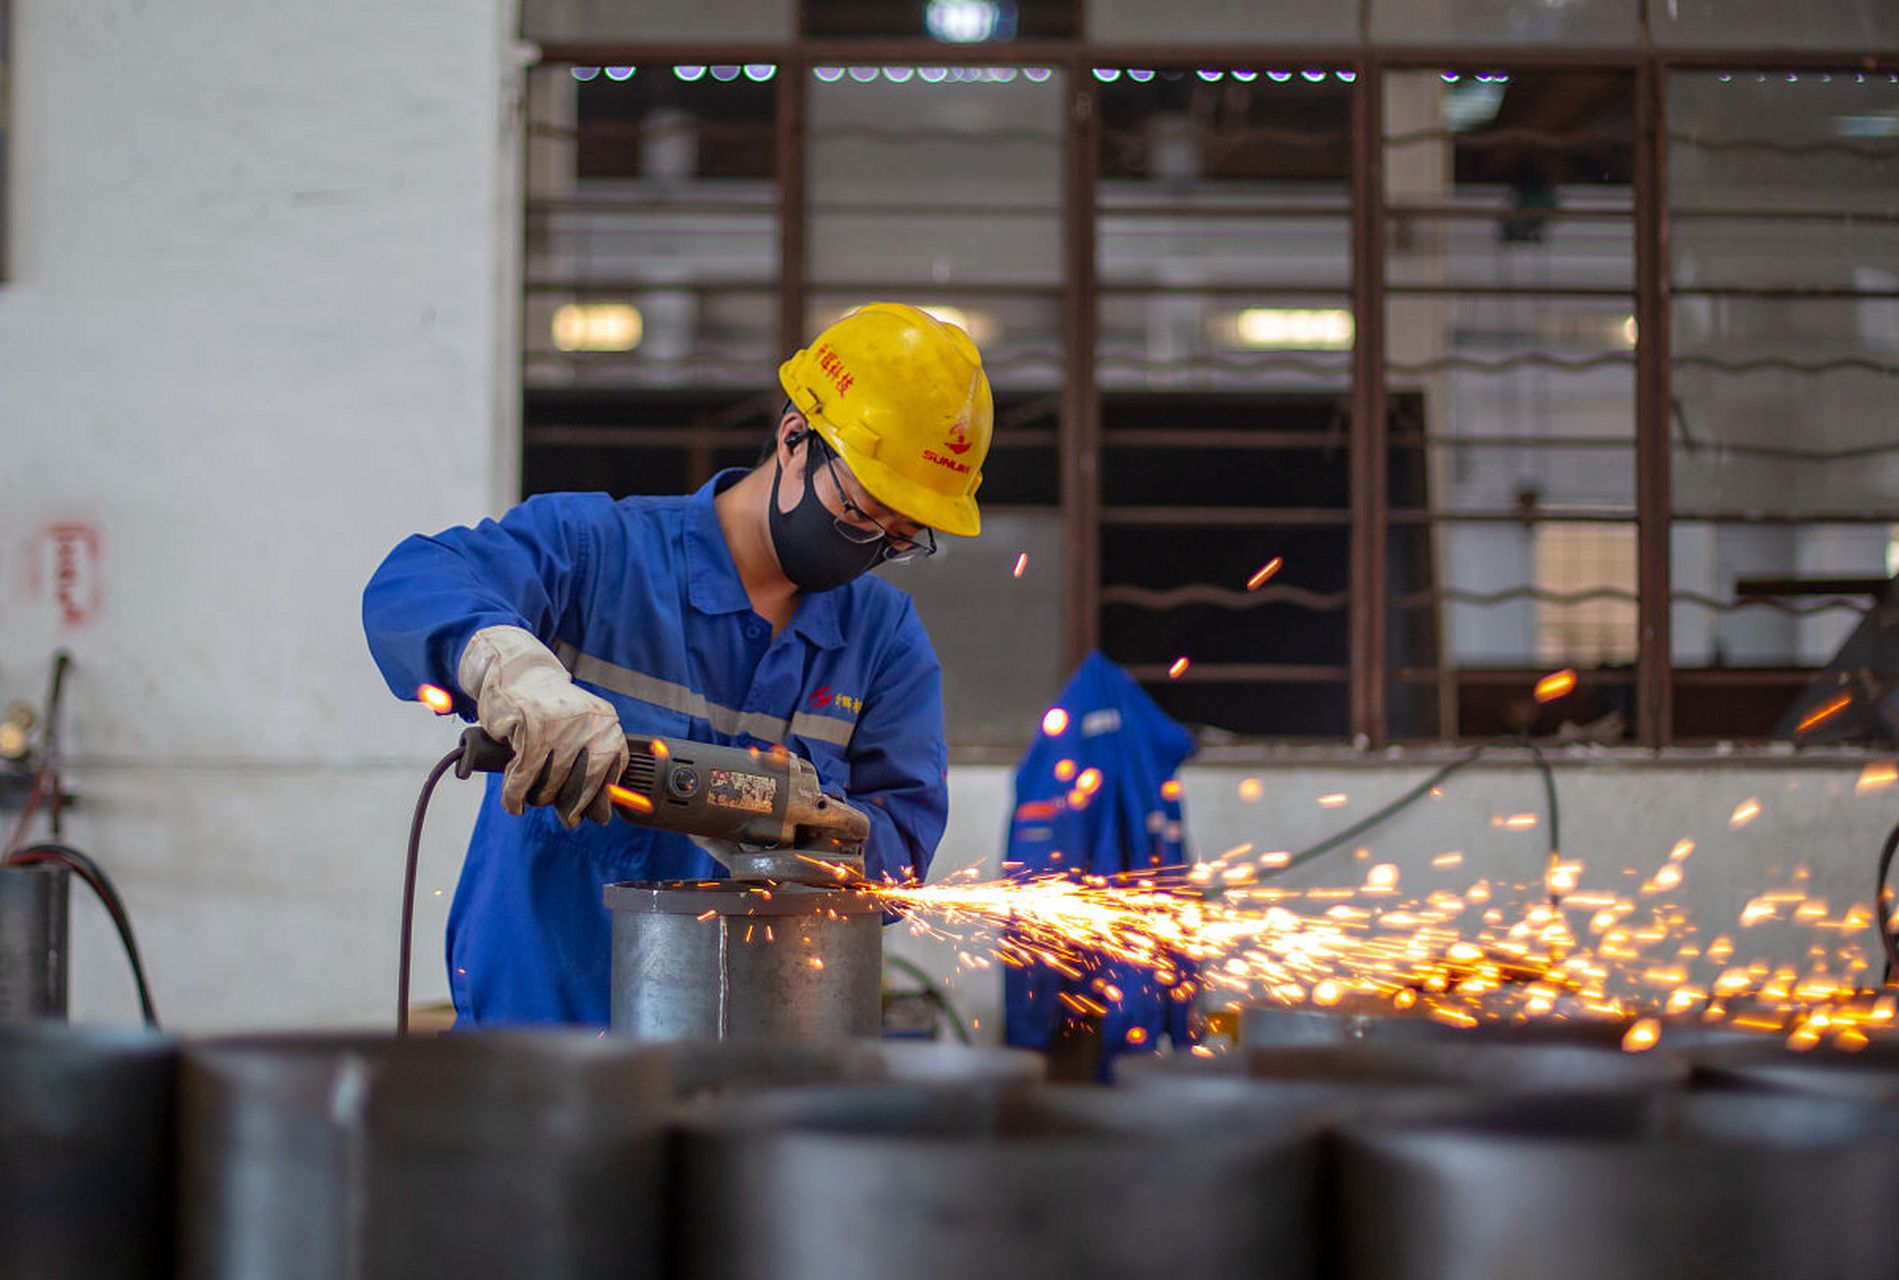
pixel 741 614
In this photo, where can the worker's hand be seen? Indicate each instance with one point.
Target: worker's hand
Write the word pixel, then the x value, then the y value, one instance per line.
pixel 559 731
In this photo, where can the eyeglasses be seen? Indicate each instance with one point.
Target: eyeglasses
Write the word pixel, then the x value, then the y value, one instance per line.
pixel 897 548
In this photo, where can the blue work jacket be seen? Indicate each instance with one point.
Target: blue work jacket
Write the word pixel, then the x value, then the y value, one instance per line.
pixel 641 600
pixel 1123 820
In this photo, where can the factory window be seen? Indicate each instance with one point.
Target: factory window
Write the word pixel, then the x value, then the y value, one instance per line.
pixel 1336 396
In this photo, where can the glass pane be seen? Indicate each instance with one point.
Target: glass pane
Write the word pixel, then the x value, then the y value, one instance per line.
pixel 923 177
pixel 1774 24
pixel 1725 578
pixel 1522 405
pixel 651 228
pixel 1223 229
pixel 1760 611
pixel 1783 178
pixel 1786 310
pixel 994 692
pixel 1239 21
pixel 658 20
pixel 1529 22
pixel 1561 593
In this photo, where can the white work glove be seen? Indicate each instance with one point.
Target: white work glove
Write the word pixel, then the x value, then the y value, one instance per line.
pixel 525 698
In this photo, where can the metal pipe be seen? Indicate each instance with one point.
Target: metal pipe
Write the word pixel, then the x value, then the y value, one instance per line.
pixel 1411 1069
pixel 866 1184
pixel 1746 1188
pixel 724 959
pixel 1264 1024
pixel 470 1155
pixel 1866 1075
pixel 86 1128
pixel 724 1068
pixel 34 925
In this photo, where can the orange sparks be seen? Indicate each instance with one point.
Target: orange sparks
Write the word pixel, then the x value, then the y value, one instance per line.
pixel 1515 821
pixel 1745 812
pixel 1055 722
pixel 630 799
pixel 1021 563
pixel 438 700
pixel 1642 1035
pixel 1824 712
pixel 1264 573
pixel 1178 668
pixel 1383 877
pixel 1171 789
pixel 1251 789
pixel 1336 800
pixel 1557 684
pixel 1137 1035
pixel 1876 777
pixel 1453 859
pixel 1064 770
pixel 1089 782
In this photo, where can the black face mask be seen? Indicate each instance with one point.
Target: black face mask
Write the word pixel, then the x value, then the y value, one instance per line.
pixel 812 553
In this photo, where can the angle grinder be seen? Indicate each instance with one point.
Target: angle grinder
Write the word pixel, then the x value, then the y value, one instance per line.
pixel 763 814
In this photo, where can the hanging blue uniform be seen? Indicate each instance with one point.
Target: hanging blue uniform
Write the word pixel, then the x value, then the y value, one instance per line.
pixel 641 601
pixel 1130 822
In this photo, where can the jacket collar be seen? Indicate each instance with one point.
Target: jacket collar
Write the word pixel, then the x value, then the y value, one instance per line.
pixel 713 584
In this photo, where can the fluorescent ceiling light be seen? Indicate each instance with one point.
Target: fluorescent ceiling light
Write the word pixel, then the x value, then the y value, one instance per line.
pixel 1280 329
pixel 597 326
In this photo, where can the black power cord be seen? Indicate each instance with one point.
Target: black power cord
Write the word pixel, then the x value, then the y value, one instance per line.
pixel 1882 908
pixel 1424 789
pixel 52 853
pixel 442 766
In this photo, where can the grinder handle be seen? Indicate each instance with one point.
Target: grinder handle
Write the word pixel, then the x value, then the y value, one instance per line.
pixel 482 753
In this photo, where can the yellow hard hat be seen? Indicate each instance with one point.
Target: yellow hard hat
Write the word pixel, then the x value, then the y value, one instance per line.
pixel 903 399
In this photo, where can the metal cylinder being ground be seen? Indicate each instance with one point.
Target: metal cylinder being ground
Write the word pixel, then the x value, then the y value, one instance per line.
pixel 87 1121
pixel 870 1183
pixel 34 922
pixel 720 1068
pixel 745 960
pixel 1744 1187
pixel 465 1156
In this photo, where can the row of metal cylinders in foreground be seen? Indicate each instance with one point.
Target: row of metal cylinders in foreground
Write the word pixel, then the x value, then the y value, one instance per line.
pixel 569 1154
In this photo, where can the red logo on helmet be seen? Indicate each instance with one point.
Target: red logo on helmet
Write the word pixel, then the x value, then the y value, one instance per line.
pixel 958 441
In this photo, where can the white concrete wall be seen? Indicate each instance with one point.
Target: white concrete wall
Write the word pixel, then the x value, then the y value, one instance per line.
pixel 258 328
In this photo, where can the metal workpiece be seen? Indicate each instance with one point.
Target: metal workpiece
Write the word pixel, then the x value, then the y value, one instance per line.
pixel 87 1122
pixel 1869 1075
pixel 903 1181
pixel 1369 1018
pixel 744 960
pixel 1661 1187
pixel 35 921
pixel 722 1068
pixel 462 1156
pixel 1432 1070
